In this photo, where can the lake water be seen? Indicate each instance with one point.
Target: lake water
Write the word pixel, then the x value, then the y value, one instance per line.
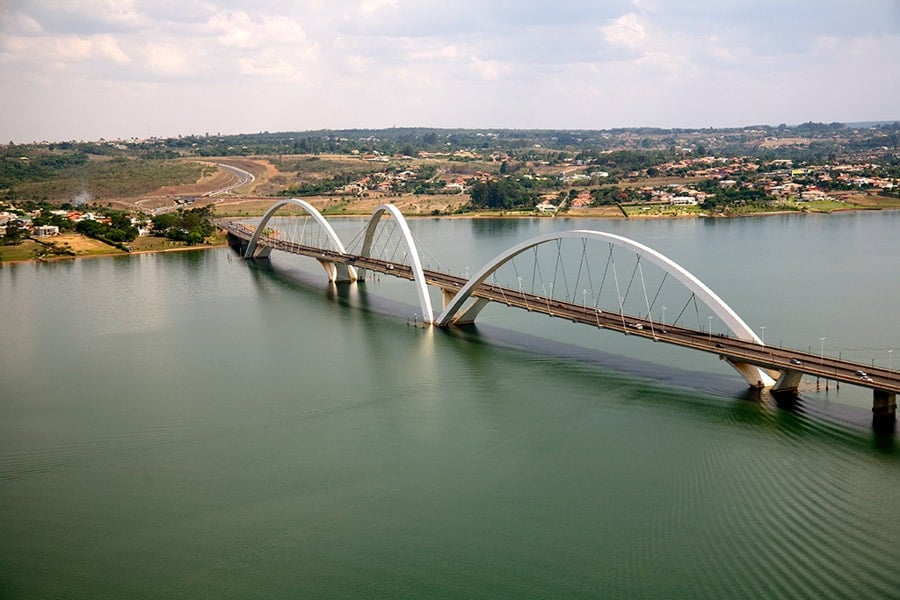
pixel 191 425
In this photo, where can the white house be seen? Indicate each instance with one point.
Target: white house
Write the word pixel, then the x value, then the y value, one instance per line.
pixel 45 230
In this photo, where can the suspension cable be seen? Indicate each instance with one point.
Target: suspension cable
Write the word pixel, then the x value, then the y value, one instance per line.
pixel 659 289
pixel 519 279
pixel 580 265
pixel 619 297
pixel 683 308
pixel 556 270
pixel 603 281
pixel 423 250
pixel 633 273
pixel 646 300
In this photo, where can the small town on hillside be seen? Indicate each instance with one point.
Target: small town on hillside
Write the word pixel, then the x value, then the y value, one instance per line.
pixel 116 191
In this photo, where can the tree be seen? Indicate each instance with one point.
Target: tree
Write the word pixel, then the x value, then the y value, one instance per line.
pixel 14 233
pixel 191 226
pixel 502 194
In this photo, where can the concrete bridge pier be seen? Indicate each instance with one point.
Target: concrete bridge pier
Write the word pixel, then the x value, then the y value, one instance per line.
pixel 884 410
pixel 338 272
pixel 467 315
pixel 446 297
pixel 788 382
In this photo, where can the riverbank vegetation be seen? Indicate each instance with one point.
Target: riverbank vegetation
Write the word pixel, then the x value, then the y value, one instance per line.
pixel 637 172
pixel 98 230
pixel 192 226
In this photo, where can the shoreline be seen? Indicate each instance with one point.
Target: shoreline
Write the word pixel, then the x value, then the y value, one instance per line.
pixel 110 254
pixel 612 214
pixel 481 215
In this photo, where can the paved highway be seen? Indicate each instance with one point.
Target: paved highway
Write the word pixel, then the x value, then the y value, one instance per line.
pixel 244 177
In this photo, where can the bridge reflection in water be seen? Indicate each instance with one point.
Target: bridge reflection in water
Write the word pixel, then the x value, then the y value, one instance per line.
pixel 598 279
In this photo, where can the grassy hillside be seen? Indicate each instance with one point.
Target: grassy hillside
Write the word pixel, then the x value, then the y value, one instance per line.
pixel 94 179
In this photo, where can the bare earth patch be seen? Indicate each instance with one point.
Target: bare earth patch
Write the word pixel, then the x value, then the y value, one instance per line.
pixel 82 245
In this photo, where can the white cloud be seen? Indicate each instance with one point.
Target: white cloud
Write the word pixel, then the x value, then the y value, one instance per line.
pixel 277 70
pixel 19 24
pixel 425 51
pixel 488 69
pixel 626 31
pixel 168 60
pixel 241 30
pixel 67 49
pixel 418 61
pixel 719 51
pixel 87 16
pixel 368 6
pixel 121 12
pixel 108 47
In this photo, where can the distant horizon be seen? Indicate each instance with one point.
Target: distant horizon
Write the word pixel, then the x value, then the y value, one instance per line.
pixel 850 124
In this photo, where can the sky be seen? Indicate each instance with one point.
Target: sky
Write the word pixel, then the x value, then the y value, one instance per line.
pixel 120 69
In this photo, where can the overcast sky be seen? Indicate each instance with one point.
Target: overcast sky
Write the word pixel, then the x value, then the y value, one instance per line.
pixel 90 69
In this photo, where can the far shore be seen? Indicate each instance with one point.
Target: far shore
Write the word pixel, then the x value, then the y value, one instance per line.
pixel 586 214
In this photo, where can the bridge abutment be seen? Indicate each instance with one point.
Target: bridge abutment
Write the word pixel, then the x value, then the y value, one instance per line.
pixel 884 410
pixel 237 242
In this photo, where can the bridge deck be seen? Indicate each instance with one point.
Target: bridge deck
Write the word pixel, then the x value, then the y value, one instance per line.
pixel 737 350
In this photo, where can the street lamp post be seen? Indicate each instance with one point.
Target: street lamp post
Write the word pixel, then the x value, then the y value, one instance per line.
pixel 546 297
pixel 709 327
pixel 664 315
pixel 890 361
pixel 763 335
pixel 583 299
pixel 822 351
pixel 521 291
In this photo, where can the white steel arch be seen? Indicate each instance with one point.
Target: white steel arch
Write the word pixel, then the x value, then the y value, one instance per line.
pixel 339 272
pixel 418 273
pixel 754 375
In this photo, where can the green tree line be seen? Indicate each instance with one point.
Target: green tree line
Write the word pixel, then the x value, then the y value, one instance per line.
pixel 191 226
pixel 501 194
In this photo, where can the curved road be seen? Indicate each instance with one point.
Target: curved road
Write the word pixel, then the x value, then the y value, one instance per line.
pixel 244 177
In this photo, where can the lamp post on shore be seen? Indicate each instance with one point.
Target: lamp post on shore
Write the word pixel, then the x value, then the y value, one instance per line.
pixel 822 352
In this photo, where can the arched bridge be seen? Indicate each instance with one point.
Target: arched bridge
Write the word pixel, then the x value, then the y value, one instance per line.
pixel 553 275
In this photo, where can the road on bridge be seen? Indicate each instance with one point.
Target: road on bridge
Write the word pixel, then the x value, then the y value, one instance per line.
pixel 737 350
